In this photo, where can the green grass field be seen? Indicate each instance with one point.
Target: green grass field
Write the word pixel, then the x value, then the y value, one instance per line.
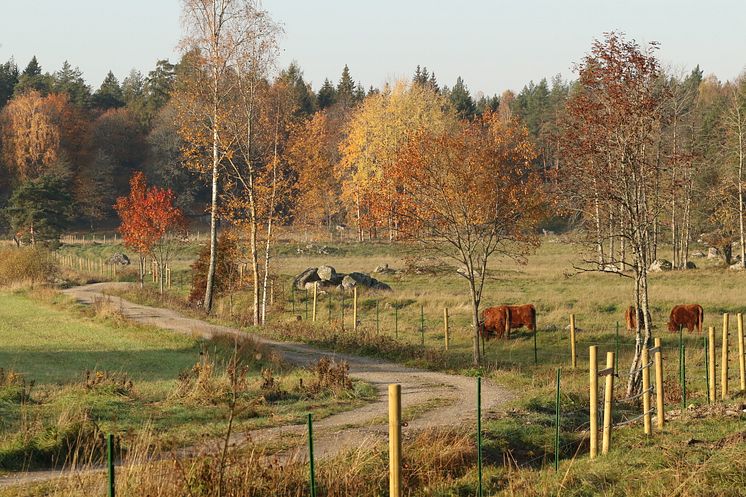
pixel 81 365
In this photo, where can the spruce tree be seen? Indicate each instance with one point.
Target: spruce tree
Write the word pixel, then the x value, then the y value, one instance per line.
pixel 109 95
pixel 32 79
pixel 346 88
pixel 327 95
pixel 70 81
pixel 462 101
pixel 8 81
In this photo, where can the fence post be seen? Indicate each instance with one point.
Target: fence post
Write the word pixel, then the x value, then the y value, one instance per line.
pixel 292 292
pixel 110 451
pixel 608 397
pixel 312 469
pixel 646 390
pixel 329 305
pixel 378 322
pixel 707 368
pixel 343 309
pixel 536 350
pixel 573 355
pixel 396 321
pixel 306 303
pixel 557 422
pixel 616 349
pixel 711 364
pixel 315 296
pixel 682 370
pixel 395 440
pixel 479 433
pixel 660 415
pixel 724 361
pixel 445 325
pixel 741 359
pixel 593 391
pixel 422 323
pixel 354 308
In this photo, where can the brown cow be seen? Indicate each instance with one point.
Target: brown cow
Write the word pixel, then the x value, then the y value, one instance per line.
pixel 631 319
pixel 494 320
pixel 689 316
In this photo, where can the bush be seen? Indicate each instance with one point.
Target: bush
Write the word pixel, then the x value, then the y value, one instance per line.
pixel 26 265
pixel 227 276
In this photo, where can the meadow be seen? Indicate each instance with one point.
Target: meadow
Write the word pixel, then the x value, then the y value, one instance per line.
pixel 698 453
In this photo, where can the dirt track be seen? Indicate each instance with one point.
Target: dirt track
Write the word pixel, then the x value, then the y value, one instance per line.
pixel 440 399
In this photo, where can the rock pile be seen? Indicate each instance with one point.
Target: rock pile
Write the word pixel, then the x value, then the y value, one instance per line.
pixel 327 278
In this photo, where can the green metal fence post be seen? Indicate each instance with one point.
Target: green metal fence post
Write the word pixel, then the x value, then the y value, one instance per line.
pixel 536 353
pixel 557 423
pixel 110 450
pixel 479 433
pixel 396 321
pixel 707 369
pixel 422 323
pixel 683 378
pixel 312 468
pixel 616 350
pixel 378 327
pixel 343 309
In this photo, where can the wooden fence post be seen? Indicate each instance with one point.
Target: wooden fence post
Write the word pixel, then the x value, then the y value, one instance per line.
pixel 741 359
pixel 445 325
pixel 395 440
pixel 660 415
pixel 573 355
pixel 608 398
pixel 724 361
pixel 593 391
pixel 646 390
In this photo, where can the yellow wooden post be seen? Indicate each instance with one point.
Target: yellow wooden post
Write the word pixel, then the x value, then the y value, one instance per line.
pixel 660 415
pixel 608 397
pixel 593 390
pixel 315 294
pixel 240 272
pixel 741 359
pixel 271 293
pixel 573 355
pixel 724 361
pixel 168 276
pixel 646 390
pixel 354 308
pixel 395 487
pixel 445 325
pixel 711 360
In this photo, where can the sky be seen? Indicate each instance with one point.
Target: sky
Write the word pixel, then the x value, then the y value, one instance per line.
pixel 493 45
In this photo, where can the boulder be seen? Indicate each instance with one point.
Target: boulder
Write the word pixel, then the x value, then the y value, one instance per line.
pixel 307 276
pixel 660 265
pixel 385 269
pixel 119 259
pixel 326 273
pixel 698 254
pixel 690 265
pixel 713 253
pixel 360 279
pixel 736 267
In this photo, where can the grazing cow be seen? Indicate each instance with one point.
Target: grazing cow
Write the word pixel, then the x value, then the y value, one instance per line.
pixel 689 316
pixel 631 319
pixel 494 320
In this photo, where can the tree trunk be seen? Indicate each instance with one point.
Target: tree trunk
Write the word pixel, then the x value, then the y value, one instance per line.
pixel 210 285
pixel 476 353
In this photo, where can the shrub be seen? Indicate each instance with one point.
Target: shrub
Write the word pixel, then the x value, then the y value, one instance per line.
pixel 26 265
pixel 227 275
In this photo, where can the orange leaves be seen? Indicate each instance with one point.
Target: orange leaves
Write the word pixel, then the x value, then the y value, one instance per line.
pixel 474 182
pixel 31 128
pixel 147 215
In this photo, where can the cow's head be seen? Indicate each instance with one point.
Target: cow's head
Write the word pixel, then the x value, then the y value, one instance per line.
pixel 672 326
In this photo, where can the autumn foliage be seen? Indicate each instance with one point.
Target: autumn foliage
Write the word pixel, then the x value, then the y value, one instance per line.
pixel 148 215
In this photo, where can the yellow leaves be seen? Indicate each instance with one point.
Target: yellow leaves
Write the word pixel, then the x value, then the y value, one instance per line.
pixel 31 128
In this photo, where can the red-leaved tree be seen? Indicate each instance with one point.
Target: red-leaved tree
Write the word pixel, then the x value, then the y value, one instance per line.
pixel 150 221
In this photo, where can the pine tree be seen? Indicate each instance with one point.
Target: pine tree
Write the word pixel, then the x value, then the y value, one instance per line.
pixel 158 87
pixel 33 68
pixel 32 79
pixel 109 95
pixel 327 95
pixel 70 81
pixel 346 88
pixel 8 81
pixel 462 101
pixel 303 98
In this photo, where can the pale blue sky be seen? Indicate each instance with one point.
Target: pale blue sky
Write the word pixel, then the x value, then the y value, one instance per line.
pixel 493 45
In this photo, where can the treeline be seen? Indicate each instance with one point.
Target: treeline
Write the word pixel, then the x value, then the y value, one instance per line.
pixel 68 151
